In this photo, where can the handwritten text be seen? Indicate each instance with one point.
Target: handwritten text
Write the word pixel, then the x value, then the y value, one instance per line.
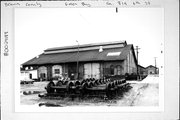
pixel 6 48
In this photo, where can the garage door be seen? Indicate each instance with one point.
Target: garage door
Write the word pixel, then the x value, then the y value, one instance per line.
pixel 92 70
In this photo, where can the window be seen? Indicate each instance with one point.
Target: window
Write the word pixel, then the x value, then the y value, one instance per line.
pixel 113 53
pixel 56 71
pixel 112 70
pixel 26 68
pixel 119 70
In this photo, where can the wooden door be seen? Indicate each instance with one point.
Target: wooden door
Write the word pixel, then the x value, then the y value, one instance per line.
pixel 87 70
pixel 92 70
pixel 95 70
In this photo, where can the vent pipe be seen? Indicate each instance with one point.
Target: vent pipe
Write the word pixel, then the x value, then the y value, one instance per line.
pixel 100 49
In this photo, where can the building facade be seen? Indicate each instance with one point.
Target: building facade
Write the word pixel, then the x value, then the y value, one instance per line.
pixel 152 70
pixel 97 61
pixel 29 72
pixel 142 70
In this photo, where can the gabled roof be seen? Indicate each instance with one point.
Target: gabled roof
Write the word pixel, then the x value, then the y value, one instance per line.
pixel 141 67
pixel 55 56
pixel 151 66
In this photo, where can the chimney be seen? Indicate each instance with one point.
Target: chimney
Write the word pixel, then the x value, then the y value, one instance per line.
pixel 100 48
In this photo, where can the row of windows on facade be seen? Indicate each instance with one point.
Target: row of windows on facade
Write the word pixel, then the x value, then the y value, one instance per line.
pixel 113 70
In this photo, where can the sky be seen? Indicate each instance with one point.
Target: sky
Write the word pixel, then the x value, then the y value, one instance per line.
pixel 37 29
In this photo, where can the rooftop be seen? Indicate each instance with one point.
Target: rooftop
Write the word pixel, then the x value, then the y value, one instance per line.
pixel 86 45
pixel 110 51
pixel 151 66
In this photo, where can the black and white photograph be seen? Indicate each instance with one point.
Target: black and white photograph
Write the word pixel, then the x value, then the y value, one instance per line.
pixel 92 59
pixel 89 57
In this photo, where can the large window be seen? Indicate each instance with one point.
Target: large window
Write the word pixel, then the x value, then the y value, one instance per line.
pixel 56 71
pixel 116 70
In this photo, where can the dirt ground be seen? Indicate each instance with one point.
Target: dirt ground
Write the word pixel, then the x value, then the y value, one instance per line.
pixel 142 93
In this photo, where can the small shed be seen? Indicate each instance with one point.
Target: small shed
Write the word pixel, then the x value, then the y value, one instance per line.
pixel 152 70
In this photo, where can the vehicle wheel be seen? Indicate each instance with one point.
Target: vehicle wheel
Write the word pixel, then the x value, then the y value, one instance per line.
pixel 108 93
pixel 49 88
pixel 59 83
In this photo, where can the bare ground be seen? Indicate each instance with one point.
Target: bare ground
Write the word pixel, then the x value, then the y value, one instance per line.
pixel 142 93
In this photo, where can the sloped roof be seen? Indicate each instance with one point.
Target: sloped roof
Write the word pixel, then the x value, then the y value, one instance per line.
pixel 141 67
pixel 86 45
pixel 82 56
pixel 151 66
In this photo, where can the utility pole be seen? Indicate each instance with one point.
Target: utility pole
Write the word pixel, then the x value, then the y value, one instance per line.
pixel 137 48
pixel 78 61
pixel 155 64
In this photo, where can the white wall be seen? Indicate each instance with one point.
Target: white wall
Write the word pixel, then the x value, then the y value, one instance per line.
pixel 56 67
pixel 34 74
pixel 24 75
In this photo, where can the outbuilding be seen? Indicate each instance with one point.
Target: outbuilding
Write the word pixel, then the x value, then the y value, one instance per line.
pixel 28 72
pixel 96 60
pixel 152 70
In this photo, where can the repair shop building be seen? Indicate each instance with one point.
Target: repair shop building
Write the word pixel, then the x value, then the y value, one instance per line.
pixel 96 60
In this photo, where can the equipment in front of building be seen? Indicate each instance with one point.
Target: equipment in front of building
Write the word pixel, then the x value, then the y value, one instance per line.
pixel 106 88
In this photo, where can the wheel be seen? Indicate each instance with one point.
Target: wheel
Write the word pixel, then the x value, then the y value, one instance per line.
pixel 90 84
pixel 97 82
pixel 84 86
pixel 83 90
pixel 59 83
pixel 83 81
pixel 94 83
pixel 108 87
pixel 77 83
pixel 49 88
pixel 69 87
pixel 65 82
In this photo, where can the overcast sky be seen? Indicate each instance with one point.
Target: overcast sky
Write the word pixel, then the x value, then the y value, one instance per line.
pixel 37 29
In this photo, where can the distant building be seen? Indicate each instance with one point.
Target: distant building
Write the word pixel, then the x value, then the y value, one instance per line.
pixel 152 70
pixel 142 70
pixel 28 72
pixel 85 61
